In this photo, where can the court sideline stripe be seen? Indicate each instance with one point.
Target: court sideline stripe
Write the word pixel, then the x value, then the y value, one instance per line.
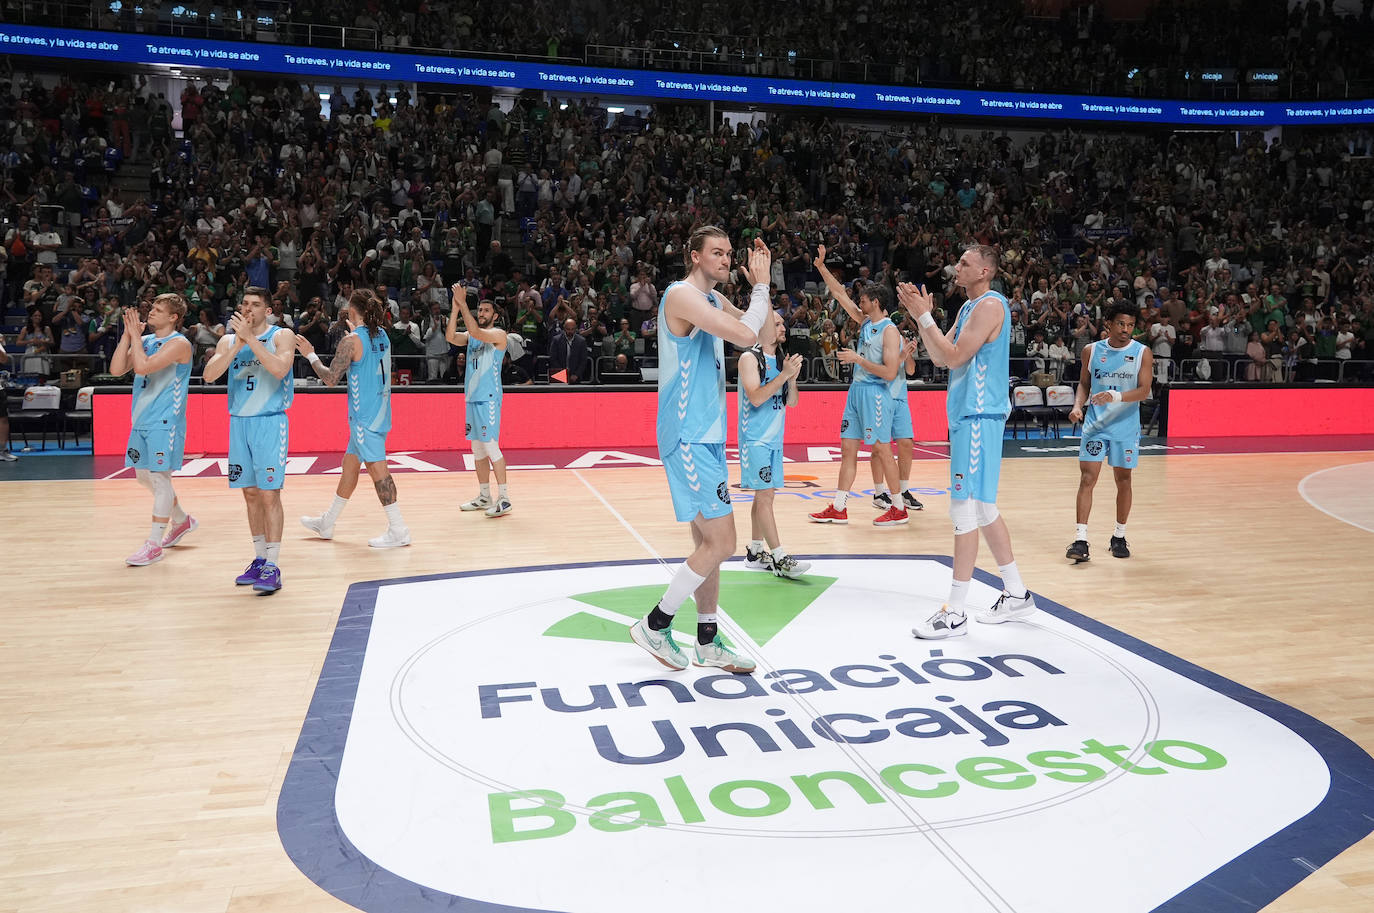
pixel 938 841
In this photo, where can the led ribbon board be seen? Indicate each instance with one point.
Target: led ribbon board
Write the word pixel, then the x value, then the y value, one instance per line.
pixel 325 64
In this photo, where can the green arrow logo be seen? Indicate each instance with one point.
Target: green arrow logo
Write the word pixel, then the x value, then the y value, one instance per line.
pixel 762 605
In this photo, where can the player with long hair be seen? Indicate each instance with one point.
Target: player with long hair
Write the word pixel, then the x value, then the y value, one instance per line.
pixel 364 357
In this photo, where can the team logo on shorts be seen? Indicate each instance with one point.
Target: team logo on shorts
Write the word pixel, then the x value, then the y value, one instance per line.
pixel 1094 448
pixel 467 429
pixel 958 477
pixel 133 455
pixel 844 425
pixel 766 474
pixel 723 492
pixel 1128 453
pixel 161 457
pixel 235 472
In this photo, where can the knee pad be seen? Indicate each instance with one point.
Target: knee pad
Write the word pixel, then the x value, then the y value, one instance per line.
pixel 144 478
pixel 987 512
pixel 964 515
pixel 494 453
pixel 479 450
pixel 163 495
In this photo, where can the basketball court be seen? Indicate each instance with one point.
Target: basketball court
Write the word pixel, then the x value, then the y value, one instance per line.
pixel 465 718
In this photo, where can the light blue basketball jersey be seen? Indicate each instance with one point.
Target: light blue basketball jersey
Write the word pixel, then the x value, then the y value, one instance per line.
pixel 691 382
pixel 763 424
pixel 1113 369
pixel 160 397
pixel 978 387
pixel 369 382
pixel 871 347
pixel 482 381
pixel 252 388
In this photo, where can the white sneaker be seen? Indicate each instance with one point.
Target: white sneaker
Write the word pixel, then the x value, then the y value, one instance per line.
pixel 942 624
pixel 1007 608
pixel 322 528
pixel 8 457
pixel 789 567
pixel 762 560
pixel 660 644
pixel 481 502
pixel 392 538
pixel 500 508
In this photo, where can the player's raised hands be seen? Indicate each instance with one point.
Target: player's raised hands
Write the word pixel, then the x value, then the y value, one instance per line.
pixel 304 346
pixel 133 324
pixel 760 267
pixel 916 299
pixel 819 262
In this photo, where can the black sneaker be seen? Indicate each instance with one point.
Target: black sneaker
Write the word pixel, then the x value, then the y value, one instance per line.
pixel 910 502
pixel 1078 552
pixel 882 501
pixel 1119 547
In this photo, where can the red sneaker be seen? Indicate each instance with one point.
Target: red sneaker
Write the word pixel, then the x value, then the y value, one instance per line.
pixel 830 515
pixel 893 516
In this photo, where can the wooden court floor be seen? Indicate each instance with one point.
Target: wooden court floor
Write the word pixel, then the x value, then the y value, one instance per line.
pixel 148 715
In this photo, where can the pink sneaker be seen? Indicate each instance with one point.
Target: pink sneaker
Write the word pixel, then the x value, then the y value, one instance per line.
pixel 176 532
pixel 146 555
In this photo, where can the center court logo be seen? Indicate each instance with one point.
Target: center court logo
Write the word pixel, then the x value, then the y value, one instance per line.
pixel 535 738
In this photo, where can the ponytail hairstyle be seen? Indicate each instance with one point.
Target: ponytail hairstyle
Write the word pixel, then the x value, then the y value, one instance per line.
pixel 697 242
pixel 368 306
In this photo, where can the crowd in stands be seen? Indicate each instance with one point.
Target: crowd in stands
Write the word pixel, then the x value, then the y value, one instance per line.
pixel 573 223
pixel 1322 48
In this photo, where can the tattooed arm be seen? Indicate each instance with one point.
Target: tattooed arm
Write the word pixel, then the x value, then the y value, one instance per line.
pixel 344 355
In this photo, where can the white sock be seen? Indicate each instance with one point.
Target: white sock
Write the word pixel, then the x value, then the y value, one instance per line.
pixel 840 498
pixel 272 551
pixel 958 596
pixel 1082 532
pixel 880 489
pixel 393 516
pixel 159 530
pixel 1121 530
pixel 259 546
pixel 779 553
pixel 757 545
pixel 685 583
pixel 332 513
pixel 485 490
pixel 1011 579
pixel 502 493
pixel 178 515
pixel 903 485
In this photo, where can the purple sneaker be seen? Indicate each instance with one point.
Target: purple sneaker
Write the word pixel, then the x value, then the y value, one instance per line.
pixel 250 573
pixel 269 579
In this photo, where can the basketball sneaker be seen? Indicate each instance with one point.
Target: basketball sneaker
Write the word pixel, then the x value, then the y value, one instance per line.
pixel 481 502
pixel 789 567
pixel 1119 547
pixel 322 528
pixel 910 503
pixel 660 644
pixel 830 515
pixel 717 655
pixel 942 624
pixel 392 538
pixel 269 579
pixel 250 573
pixel 895 516
pixel 500 508
pixel 1078 551
pixel 882 501
pixel 178 531
pixel 149 552
pixel 761 560
pixel 1007 608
